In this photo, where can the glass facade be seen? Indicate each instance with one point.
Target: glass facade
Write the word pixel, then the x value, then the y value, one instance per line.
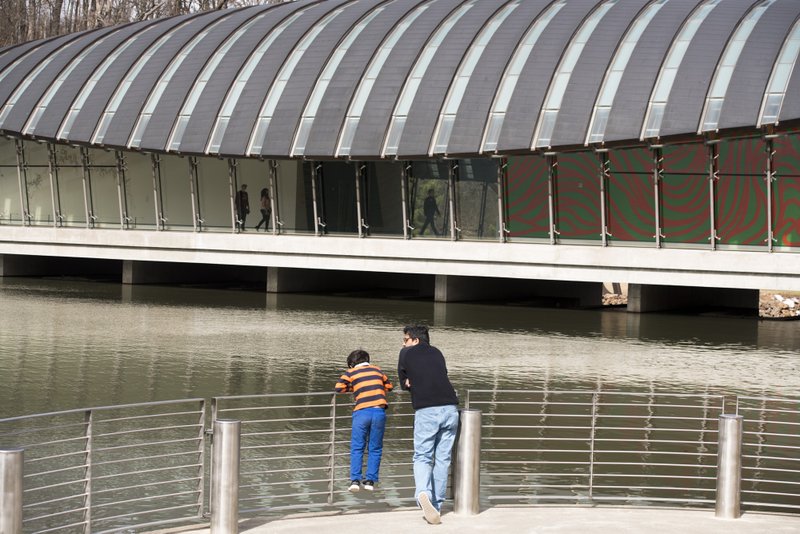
pixel 704 191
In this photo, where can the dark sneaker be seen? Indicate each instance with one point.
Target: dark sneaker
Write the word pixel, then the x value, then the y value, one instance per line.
pixel 369 485
pixel 432 515
pixel 355 485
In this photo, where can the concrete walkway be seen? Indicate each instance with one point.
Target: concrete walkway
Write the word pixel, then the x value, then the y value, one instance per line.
pixel 525 520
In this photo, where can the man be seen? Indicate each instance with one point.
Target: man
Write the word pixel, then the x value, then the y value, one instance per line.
pixel 242 207
pixel 422 371
pixel 430 209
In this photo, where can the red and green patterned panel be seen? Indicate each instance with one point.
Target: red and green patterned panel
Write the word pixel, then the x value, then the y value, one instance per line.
pixel 578 196
pixel 526 197
pixel 741 196
pixel 786 191
pixel 685 213
pixel 631 208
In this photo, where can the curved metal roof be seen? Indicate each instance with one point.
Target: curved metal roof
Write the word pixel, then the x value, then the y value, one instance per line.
pixel 408 78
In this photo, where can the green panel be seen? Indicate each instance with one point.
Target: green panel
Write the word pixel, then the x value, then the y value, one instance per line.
pixel 631 205
pixel 685 211
pixel 786 193
pixel 741 193
pixel 578 197
pixel 526 197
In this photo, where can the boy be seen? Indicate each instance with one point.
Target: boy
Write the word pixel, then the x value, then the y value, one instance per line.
pixel 369 386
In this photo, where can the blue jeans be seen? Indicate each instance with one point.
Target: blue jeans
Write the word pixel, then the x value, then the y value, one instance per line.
pixel 368 424
pixel 434 433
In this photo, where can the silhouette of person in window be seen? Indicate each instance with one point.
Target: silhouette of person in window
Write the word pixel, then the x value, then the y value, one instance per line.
pixel 266 210
pixel 430 210
pixel 242 207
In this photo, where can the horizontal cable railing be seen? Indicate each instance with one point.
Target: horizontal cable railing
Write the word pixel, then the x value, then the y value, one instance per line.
pixel 119 468
pixel 295 451
pixel 113 468
pixel 770 453
pixel 592 446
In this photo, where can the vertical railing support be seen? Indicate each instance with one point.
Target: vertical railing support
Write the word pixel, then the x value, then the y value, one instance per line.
pixel 467 475
pixel 729 466
pixel 11 462
pixel 225 482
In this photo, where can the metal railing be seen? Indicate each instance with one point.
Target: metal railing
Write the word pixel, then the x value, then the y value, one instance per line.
pixel 122 468
pixel 111 468
pixel 770 453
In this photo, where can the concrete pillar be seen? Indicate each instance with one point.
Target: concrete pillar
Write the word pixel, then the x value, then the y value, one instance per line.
pixel 152 272
pixel 540 292
pixel 648 298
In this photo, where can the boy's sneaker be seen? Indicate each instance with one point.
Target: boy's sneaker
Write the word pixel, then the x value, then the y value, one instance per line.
pixel 355 485
pixel 432 515
pixel 369 485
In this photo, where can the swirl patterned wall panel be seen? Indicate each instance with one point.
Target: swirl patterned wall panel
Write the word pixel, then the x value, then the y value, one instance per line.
pixel 741 197
pixel 526 197
pixel 684 195
pixel 786 211
pixel 631 205
pixel 578 197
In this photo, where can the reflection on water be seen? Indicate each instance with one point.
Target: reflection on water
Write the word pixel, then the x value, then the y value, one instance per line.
pixel 70 344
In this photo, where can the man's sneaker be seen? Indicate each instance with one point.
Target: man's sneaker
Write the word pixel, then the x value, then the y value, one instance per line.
pixel 432 515
pixel 355 485
pixel 369 485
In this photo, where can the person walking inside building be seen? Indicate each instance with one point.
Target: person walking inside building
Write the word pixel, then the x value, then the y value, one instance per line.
pixel 369 386
pixel 430 209
pixel 266 210
pixel 242 207
pixel 422 370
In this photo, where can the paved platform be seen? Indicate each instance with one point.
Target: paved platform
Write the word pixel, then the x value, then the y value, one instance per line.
pixel 525 520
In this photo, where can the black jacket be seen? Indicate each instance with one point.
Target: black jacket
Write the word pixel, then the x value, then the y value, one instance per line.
pixel 424 366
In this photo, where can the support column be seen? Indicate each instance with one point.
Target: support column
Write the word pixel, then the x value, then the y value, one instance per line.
pixel 649 298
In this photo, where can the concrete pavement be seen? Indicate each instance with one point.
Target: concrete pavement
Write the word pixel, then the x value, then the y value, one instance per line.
pixel 524 520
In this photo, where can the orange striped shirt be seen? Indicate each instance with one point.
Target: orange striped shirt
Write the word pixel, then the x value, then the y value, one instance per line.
pixel 368 384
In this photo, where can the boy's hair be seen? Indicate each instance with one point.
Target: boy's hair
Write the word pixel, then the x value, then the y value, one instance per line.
pixel 356 357
pixel 418 331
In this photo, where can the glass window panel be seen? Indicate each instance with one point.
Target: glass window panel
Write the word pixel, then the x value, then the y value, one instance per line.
pixel 293 196
pixel 654 120
pixel 257 142
pixel 395 131
pixel 557 91
pixel 360 101
pixel 599 124
pixel 180 128
pixel 664 85
pixel 71 198
pixel 338 198
pixel 176 199
pixel 721 82
pixel 476 199
pixel 37 182
pixel 302 135
pixel 214 197
pixel 631 205
pixel 504 94
pixel 526 198
pixel 493 132
pixel 458 90
pixel 10 207
pixel 578 200
pixel 772 108
pixel 546 130
pixel 781 77
pixel 348 133
pixel 712 114
pixel 409 92
pixel 219 133
pixel 429 199
pixel 676 54
pixel 610 88
pixel 733 52
pixel 105 193
pixel 445 129
pixel 384 206
pixel 139 193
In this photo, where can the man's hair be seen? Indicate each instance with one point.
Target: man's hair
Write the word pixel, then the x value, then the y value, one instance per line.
pixel 418 331
pixel 356 357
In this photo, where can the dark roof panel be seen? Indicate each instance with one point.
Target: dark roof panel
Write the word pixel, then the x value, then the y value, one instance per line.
pixel 43 62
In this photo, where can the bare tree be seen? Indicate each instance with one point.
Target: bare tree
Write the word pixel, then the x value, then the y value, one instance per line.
pixel 26 20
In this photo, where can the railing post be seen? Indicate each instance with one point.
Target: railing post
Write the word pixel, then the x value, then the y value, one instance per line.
pixel 467 475
pixel 729 466
pixel 225 483
pixel 11 461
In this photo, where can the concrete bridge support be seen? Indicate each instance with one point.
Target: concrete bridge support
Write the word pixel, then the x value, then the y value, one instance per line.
pixel 153 272
pixel 649 298
pixel 473 288
pixel 291 280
